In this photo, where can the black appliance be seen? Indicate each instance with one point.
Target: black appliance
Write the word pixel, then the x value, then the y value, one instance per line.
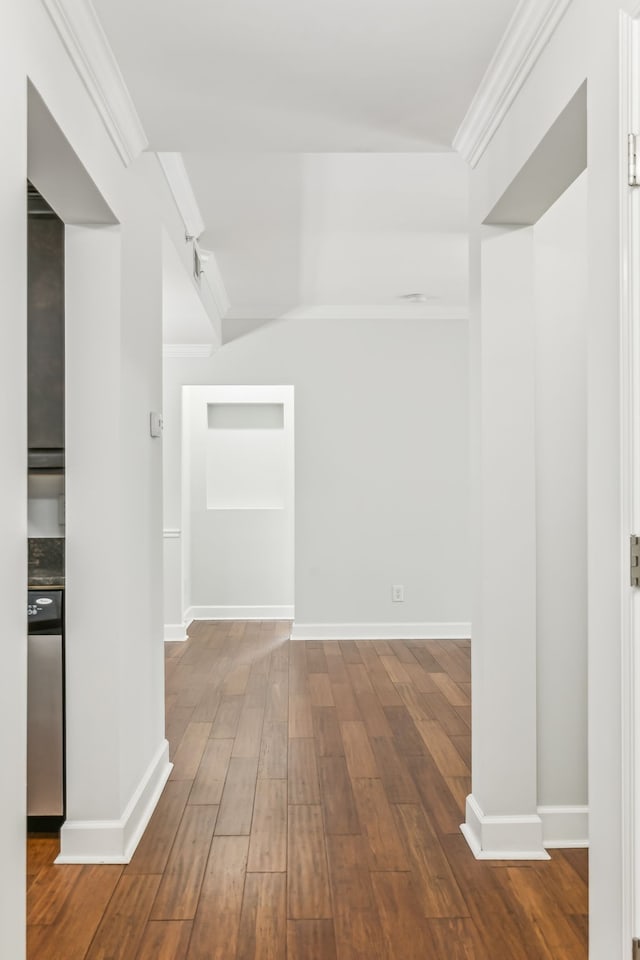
pixel 45 709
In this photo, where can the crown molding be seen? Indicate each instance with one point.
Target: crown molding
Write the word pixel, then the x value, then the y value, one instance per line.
pixel 193 350
pixel 528 32
pixel 377 311
pixel 86 43
pixel 180 185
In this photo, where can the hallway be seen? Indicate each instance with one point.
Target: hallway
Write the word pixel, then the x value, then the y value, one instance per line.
pixel 312 813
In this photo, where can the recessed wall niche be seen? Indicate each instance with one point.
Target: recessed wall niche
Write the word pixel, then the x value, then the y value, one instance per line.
pixel 246 456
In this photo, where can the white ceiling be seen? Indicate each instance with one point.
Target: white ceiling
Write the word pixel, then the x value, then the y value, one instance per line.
pixel 317 137
pixel 303 75
pixel 292 230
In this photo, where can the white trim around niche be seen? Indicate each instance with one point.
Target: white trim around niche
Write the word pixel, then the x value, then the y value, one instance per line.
pixel 175 632
pixel 90 52
pixel 381 631
pixel 114 841
pixel 528 32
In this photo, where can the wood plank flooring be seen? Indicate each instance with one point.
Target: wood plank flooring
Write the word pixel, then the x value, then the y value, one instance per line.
pixel 312 813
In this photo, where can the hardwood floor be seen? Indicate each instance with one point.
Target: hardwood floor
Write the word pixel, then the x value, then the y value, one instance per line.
pixel 312 813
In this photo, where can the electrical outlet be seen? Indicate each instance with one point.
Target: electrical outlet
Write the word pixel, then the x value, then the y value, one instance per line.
pixel 397 593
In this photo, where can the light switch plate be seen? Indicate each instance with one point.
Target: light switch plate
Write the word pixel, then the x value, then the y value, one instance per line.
pixel 155 424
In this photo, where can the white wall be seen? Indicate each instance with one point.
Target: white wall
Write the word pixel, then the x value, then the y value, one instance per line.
pixel 13 484
pixel 381 461
pixel 560 253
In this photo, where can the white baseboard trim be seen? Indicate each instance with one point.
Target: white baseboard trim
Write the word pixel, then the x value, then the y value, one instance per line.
pixel 503 838
pixel 114 841
pixel 239 613
pixel 381 631
pixel 565 827
pixel 175 631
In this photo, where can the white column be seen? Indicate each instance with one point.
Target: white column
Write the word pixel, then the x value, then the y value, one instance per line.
pixel 117 759
pixel 501 818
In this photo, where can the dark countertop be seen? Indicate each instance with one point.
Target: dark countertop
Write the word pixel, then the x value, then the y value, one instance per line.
pixel 46 563
pixel 45 579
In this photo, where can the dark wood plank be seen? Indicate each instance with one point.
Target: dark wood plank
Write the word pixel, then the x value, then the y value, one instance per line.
pixel 439 893
pixel 385 847
pixel 309 896
pixel 263 923
pixel 177 721
pixel 311 940
pixel 327 732
pixel 395 669
pixel 300 715
pixel 316 658
pixel 451 691
pixel 458 940
pixel 503 931
pixel 394 773
pixel 225 725
pixel 249 733
pixel 345 700
pixel 435 794
pixel 277 698
pixel 49 891
pixel 338 803
pixel 41 852
pixel 357 750
pixel 236 806
pixel 217 920
pixel 320 690
pixel 236 681
pixel 273 750
pixel 405 732
pixel 179 890
pixel 304 786
pixel 579 860
pixel 189 753
pixel 268 844
pixel 153 851
pixel 209 781
pixel 165 940
pixel 403 924
pixel 527 891
pixel 453 719
pixel 123 923
pixel 78 919
pixel 446 757
pixel 356 920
